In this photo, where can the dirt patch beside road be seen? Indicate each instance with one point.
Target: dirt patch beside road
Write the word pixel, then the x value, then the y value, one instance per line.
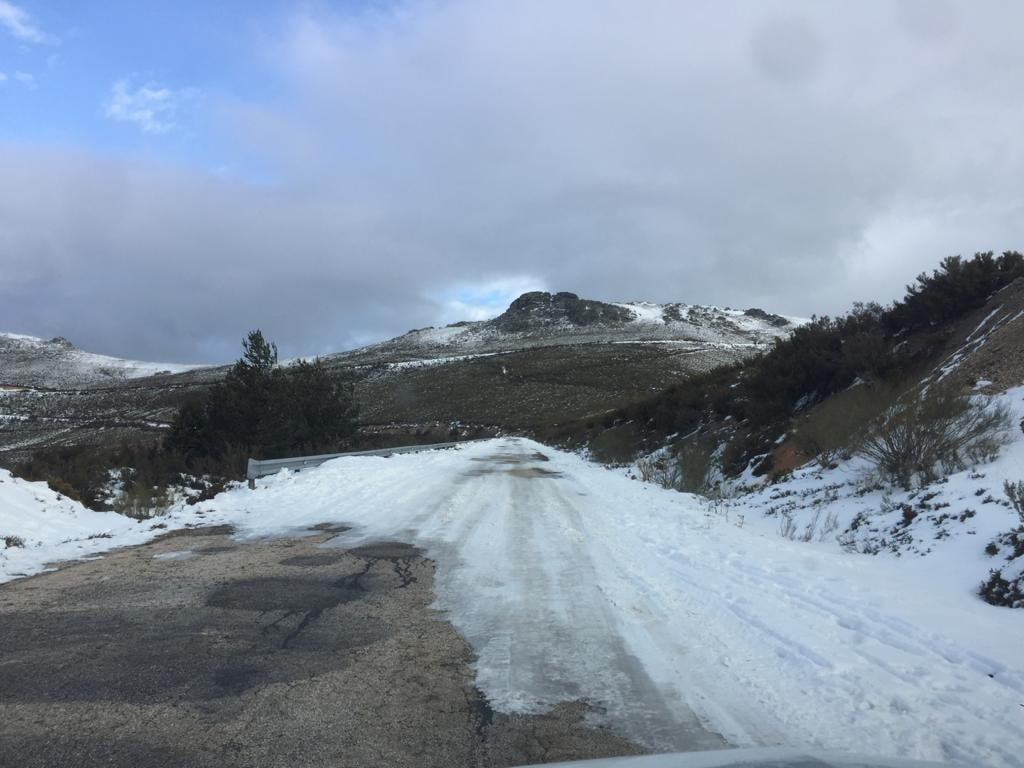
pixel 271 653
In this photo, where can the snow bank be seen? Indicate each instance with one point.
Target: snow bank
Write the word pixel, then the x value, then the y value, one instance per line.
pixel 39 526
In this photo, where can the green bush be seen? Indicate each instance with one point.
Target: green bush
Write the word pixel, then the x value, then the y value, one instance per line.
pixel 998 590
pixel 79 472
pixel 63 488
pixel 83 472
pixel 141 501
pixel 696 465
pixel 616 446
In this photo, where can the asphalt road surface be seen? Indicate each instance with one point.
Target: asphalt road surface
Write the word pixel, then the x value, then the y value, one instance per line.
pixel 272 653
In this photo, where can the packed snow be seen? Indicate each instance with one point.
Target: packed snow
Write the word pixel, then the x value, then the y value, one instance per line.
pixel 680 618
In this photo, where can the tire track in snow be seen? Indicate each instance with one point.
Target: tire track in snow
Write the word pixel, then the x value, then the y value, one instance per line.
pixel 516 577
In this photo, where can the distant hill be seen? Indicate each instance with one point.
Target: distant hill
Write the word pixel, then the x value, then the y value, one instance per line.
pixel 26 361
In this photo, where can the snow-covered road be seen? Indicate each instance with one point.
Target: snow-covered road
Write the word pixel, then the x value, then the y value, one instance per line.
pixel 523 578
pixel 572 582
pixel 679 619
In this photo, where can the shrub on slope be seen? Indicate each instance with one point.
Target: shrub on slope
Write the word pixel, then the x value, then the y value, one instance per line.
pixel 941 428
pixel 1005 584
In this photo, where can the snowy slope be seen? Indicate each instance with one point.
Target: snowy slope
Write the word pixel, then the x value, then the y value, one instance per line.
pixel 27 361
pixel 945 528
pixel 39 526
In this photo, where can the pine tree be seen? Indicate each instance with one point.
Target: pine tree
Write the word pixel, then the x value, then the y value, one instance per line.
pixel 262 409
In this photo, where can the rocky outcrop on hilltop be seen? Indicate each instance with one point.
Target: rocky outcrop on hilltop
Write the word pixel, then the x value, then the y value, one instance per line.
pixel 772 319
pixel 539 309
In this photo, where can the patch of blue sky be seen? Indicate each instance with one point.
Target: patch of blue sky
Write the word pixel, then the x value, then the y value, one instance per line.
pixel 198 52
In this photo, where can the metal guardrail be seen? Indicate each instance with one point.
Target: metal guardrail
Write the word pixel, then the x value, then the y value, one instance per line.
pixel 262 468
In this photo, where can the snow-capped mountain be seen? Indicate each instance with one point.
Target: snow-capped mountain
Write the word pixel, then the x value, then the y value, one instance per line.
pixel 27 361
pixel 540 319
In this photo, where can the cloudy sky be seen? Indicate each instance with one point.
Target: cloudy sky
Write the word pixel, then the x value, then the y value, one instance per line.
pixel 173 174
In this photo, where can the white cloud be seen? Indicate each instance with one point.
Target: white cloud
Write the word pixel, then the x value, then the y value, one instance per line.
pixel 26 79
pixel 152 107
pixel 19 23
pixel 3 77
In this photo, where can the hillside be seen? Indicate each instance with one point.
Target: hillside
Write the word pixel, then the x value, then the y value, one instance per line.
pixel 548 359
pixel 964 317
pixel 799 591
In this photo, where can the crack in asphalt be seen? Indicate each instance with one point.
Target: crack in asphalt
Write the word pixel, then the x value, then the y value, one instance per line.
pixel 308 619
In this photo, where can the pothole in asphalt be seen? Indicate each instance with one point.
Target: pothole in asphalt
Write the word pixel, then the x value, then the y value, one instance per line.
pixel 528 472
pixel 496 461
pixel 282 594
pixel 134 656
